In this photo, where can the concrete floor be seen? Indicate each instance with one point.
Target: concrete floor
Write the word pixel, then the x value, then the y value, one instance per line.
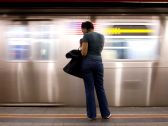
pixel 70 116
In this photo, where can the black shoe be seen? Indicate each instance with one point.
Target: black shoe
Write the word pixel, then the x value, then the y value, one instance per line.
pixel 108 117
pixel 91 119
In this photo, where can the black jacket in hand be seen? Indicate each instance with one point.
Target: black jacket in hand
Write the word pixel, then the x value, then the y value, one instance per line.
pixel 74 66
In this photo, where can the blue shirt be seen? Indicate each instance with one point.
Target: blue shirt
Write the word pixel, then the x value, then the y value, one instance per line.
pixel 95 43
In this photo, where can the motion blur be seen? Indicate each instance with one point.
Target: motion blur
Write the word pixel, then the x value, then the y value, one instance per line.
pixel 32 55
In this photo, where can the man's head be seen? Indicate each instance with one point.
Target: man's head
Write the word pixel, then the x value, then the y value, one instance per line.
pixel 87 26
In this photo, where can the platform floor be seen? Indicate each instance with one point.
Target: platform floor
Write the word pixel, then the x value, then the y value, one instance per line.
pixel 75 116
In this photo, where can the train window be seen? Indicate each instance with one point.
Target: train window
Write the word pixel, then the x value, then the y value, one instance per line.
pixel 41 40
pixel 33 40
pixel 130 39
pixel 131 48
pixel 18 38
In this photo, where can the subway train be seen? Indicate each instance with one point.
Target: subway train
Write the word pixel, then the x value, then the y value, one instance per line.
pixel 33 48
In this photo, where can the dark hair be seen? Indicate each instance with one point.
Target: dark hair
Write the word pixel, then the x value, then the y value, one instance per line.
pixel 88 25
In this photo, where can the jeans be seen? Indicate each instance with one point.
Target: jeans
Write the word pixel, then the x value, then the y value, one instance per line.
pixel 92 71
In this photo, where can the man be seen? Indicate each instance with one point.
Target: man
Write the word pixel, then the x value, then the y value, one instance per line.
pixel 92 70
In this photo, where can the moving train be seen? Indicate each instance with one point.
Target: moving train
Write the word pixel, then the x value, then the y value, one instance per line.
pixel 33 44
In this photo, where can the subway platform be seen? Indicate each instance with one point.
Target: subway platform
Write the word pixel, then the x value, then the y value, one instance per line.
pixel 76 116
